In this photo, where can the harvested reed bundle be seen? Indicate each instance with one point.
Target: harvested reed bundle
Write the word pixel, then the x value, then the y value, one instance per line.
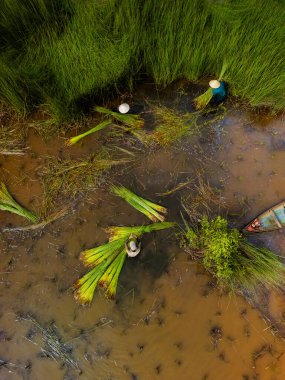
pixel 133 121
pixel 108 261
pixel 204 99
pixel 150 209
pixel 110 278
pixel 96 256
pixel 102 125
pixel 106 275
pixel 116 233
pixel 7 203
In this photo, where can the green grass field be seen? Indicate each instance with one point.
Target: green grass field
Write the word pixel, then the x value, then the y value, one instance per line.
pixel 69 54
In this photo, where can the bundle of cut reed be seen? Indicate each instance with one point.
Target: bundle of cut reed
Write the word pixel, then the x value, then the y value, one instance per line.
pixel 107 261
pixel 150 209
pixel 106 272
pixel 133 121
pixel 115 232
pixel 8 203
pixel 102 125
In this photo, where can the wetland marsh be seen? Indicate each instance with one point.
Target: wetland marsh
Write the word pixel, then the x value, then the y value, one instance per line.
pixel 169 320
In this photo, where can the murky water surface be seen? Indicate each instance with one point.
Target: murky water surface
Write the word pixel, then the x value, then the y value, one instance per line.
pixel 169 321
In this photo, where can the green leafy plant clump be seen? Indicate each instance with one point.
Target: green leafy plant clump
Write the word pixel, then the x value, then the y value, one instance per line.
pixel 221 246
pixel 235 262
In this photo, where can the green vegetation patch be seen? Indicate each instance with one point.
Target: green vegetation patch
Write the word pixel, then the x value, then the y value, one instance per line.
pixel 235 262
pixel 67 54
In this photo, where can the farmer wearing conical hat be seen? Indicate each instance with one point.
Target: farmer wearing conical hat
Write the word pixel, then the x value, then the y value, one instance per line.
pixel 133 246
pixel 219 90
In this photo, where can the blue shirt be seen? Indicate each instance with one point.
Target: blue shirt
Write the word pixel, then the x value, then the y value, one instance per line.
pixel 220 93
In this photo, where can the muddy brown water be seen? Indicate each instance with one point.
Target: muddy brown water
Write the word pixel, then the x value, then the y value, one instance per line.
pixel 168 321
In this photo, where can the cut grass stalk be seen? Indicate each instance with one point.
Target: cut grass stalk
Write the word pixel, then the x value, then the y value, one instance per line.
pixel 133 121
pixel 204 99
pixel 124 232
pixel 112 286
pixel 7 203
pixel 85 287
pixel 150 209
pixel 95 256
pixel 102 125
pixel 258 266
pixel 50 219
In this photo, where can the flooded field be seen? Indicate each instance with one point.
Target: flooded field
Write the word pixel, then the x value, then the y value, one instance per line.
pixel 169 321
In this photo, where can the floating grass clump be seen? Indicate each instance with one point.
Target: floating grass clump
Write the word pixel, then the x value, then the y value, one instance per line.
pixel 8 203
pixel 170 126
pixel 10 142
pixel 153 211
pixel 107 261
pixel 231 259
pixel 69 178
pixel 102 125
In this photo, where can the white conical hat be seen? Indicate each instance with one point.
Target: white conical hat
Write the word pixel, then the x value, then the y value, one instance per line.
pixel 124 108
pixel 214 83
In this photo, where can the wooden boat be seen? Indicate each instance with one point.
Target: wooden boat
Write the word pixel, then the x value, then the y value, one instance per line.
pixel 270 220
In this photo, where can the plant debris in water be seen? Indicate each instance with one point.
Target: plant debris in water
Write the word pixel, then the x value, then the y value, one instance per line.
pixel 171 125
pixel 68 178
pixel 10 143
pixel 201 199
pixel 54 347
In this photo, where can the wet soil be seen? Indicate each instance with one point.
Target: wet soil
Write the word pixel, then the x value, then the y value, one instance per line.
pixel 169 321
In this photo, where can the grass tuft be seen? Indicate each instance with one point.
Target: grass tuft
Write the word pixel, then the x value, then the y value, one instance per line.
pixel 234 262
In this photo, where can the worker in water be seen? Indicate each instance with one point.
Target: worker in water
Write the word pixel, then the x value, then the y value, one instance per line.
pixel 219 91
pixel 133 246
